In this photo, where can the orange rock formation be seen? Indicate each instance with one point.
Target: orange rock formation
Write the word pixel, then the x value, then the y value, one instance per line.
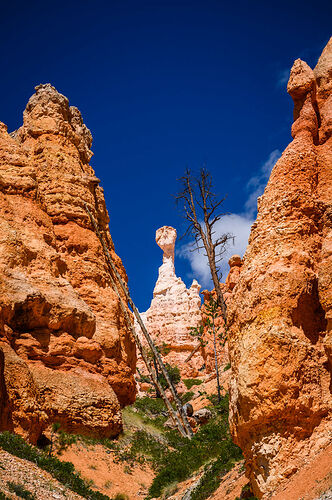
pixel 66 353
pixel 174 310
pixel 280 316
pixel 235 265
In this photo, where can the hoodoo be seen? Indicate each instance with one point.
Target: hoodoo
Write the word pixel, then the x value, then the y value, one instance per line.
pixel 67 355
pixel 280 314
pixel 174 309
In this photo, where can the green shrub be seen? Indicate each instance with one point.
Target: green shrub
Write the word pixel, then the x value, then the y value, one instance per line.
pixel 154 406
pixel 173 373
pixel 187 396
pixel 152 411
pixel 144 445
pixel 170 491
pixel 20 491
pixel 121 496
pixel 227 367
pixel 211 441
pixel 145 378
pixel 90 440
pixel 64 472
pixel 65 439
pixel 190 382
pixel 211 478
pixel 174 439
pixel 219 407
pixel 247 493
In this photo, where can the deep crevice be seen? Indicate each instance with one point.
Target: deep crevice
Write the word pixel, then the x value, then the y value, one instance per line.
pixel 309 314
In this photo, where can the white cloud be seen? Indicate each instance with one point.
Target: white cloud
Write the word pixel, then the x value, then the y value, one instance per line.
pixel 238 225
pixel 283 77
pixel 257 183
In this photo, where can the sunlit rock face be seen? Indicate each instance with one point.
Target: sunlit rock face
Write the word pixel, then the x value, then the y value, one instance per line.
pixel 67 353
pixel 174 310
pixel 280 312
pixel 235 267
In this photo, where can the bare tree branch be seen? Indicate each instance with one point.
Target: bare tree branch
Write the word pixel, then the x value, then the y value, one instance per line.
pixel 201 208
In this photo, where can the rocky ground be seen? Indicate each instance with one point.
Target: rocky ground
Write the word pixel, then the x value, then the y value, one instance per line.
pixel 313 481
pixel 110 475
pixel 40 484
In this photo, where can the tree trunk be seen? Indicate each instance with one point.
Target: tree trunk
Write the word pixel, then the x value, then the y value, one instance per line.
pixel 192 353
pixel 157 375
pixel 216 360
pixel 212 264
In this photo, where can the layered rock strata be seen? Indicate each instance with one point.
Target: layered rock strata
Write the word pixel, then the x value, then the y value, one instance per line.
pixel 280 315
pixel 66 352
pixel 174 310
pixel 235 266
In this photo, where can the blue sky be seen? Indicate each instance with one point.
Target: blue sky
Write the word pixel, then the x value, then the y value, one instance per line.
pixel 164 86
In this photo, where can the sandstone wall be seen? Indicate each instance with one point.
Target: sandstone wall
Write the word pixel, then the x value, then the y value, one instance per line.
pixel 68 355
pixel 235 266
pixel 280 314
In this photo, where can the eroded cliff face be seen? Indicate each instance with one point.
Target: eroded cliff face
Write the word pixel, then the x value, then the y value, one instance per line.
pixel 280 314
pixel 174 310
pixel 67 355
pixel 235 266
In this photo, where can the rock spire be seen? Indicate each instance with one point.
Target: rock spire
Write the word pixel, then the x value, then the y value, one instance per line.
pixel 281 309
pixel 67 355
pixel 174 309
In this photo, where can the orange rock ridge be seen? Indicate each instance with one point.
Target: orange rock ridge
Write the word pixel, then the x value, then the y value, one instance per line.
pixel 66 353
pixel 280 314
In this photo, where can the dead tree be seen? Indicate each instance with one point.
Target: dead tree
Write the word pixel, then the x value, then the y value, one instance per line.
pixel 202 211
pixel 212 312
